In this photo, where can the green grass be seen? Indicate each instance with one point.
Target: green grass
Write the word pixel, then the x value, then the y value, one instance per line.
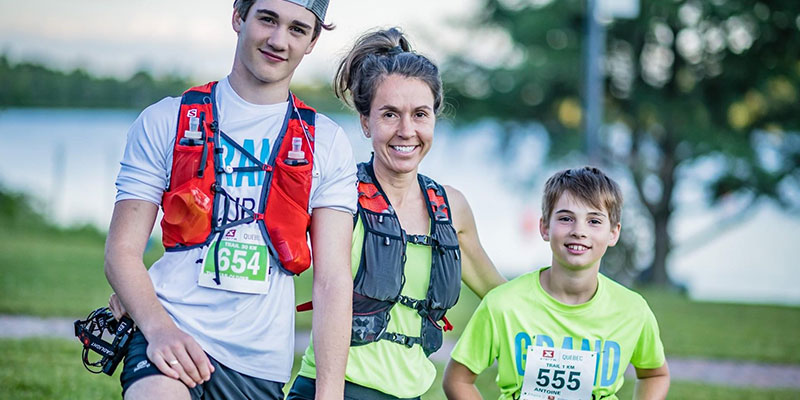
pixel 51 369
pixel 56 274
pixel 726 331
pixel 51 276
pixel 696 391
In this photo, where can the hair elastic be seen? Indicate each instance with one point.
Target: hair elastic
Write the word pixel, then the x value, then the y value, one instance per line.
pixel 395 51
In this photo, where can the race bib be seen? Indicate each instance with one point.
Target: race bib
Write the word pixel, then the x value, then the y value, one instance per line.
pixel 558 374
pixel 243 261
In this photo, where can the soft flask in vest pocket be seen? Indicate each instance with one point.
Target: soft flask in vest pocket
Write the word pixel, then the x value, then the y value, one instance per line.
pixel 186 211
pixel 287 218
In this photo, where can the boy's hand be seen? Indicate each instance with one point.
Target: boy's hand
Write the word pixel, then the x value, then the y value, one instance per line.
pixel 116 307
pixel 177 355
pixel 172 351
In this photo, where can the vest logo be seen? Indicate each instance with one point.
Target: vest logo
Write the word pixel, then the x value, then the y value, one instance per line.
pixel 192 113
pixel 548 354
pixel 231 233
pixel 141 364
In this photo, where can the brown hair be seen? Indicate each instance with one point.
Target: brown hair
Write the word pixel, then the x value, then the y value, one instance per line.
pixel 242 7
pixel 588 184
pixel 376 55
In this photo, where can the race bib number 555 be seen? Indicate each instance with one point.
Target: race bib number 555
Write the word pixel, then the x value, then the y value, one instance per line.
pixel 558 374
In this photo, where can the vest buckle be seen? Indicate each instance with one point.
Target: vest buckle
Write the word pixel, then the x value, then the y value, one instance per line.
pixel 424 240
pixel 399 338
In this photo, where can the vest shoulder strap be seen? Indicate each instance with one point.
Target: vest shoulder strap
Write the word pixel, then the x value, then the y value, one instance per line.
pixel 370 197
pixel 436 198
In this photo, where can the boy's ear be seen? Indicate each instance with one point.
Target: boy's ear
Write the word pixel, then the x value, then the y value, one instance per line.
pixel 312 44
pixel 615 235
pixel 544 230
pixel 236 21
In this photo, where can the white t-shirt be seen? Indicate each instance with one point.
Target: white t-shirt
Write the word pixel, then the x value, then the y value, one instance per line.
pixel 252 334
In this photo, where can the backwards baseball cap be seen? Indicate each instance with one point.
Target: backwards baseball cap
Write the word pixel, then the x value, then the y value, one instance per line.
pixel 318 7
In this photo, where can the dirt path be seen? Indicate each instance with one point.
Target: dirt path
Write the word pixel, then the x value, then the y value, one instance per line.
pixel 715 372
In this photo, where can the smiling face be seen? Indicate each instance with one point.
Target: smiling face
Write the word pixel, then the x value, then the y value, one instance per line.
pixel 401 123
pixel 273 38
pixel 579 234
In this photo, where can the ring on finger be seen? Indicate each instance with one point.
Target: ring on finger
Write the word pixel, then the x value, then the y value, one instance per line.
pixel 174 362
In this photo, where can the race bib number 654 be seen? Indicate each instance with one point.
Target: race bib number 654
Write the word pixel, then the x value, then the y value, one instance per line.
pixel 558 374
pixel 241 259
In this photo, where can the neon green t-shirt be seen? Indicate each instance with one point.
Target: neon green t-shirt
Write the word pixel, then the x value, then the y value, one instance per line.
pixel 616 323
pixel 384 365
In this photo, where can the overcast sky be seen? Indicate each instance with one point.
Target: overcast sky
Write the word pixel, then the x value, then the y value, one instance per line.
pixel 194 37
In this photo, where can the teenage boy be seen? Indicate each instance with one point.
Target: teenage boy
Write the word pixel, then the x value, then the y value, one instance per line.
pixel 565 331
pixel 243 171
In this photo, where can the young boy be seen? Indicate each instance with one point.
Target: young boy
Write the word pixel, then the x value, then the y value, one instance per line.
pixel 565 331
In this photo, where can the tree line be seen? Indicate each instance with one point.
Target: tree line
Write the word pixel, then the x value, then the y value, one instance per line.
pixel 31 84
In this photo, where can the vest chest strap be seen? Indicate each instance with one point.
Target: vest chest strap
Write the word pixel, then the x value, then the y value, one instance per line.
pixel 399 338
pixel 419 305
pixel 424 240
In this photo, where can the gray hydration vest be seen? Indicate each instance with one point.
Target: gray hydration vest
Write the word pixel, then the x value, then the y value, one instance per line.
pixel 381 271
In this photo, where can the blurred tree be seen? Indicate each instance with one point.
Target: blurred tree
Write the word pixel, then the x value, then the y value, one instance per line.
pixel 29 84
pixel 688 80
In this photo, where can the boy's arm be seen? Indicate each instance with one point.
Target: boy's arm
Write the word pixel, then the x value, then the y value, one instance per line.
pixel 331 234
pixel 459 382
pixel 174 353
pixel 652 383
pixel 477 270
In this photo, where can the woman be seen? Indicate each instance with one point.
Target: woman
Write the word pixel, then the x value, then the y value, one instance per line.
pixel 414 240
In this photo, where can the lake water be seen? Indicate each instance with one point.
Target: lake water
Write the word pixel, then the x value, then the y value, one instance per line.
pixel 68 160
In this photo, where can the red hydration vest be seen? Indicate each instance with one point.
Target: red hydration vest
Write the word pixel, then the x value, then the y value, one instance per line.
pixel 195 193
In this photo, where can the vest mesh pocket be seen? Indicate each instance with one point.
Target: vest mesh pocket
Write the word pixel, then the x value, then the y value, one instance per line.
pixel 381 271
pixel 188 203
pixel 446 268
pixel 370 319
pixel 287 215
pixel 295 181
pixel 431 336
pixel 287 224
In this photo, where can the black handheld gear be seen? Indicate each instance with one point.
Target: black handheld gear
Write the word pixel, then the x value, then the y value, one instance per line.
pixel 90 333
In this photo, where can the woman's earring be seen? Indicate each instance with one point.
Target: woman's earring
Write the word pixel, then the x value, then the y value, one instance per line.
pixel 366 133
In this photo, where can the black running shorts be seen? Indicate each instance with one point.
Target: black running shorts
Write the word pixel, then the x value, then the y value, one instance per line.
pixel 225 383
